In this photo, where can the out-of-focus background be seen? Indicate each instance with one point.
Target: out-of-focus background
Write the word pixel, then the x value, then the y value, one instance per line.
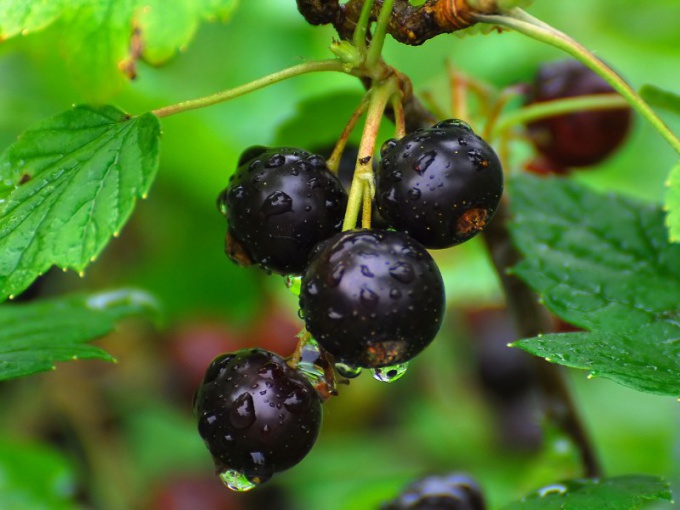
pixel 122 436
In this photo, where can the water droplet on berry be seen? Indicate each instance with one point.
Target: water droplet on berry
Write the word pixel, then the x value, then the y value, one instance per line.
pixel 453 123
pixel 402 272
pixel 242 412
pixel 368 298
pixel 337 275
pixel 414 193
pixel 334 315
pixel 206 425
pixel 390 374
pixel 275 161
pixel 236 481
pixel 395 293
pixel 365 270
pixel 347 371
pixel 424 161
pixel 294 284
pixel 277 203
pixel 556 488
pixel 388 145
pixel 222 203
pixel 271 371
pixel 297 401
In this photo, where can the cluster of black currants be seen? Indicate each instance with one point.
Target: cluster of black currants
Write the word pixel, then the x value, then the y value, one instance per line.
pixel 371 298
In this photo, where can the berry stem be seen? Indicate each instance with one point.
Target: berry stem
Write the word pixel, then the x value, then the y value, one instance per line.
pixel 399 119
pixel 375 50
pixel 522 22
pixel 557 107
pixel 334 159
pixel 362 182
pixel 361 30
pixel 225 95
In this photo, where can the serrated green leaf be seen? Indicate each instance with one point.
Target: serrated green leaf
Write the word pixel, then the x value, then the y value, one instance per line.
pixel 67 185
pixel 35 477
pixel 35 335
pixel 672 204
pixel 618 493
pixel 661 98
pixel 602 263
pixel 26 16
pixel 102 40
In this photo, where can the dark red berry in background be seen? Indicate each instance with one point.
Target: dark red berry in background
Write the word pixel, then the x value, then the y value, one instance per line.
pixel 256 415
pixel 279 204
pixel 440 185
pixel 448 492
pixel 575 139
pixel 372 298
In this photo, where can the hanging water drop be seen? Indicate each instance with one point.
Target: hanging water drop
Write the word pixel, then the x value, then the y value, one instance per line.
pixel 236 481
pixel 347 371
pixel 294 284
pixel 390 374
pixel 556 488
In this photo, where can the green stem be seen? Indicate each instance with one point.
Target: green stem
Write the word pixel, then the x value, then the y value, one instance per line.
pixel 375 51
pixel 360 31
pixel 362 182
pixel 522 22
pixel 226 95
pixel 538 111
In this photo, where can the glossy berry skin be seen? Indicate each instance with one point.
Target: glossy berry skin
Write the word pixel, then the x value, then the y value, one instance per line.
pixel 448 492
pixel 256 415
pixel 440 185
pixel 576 139
pixel 372 298
pixel 279 204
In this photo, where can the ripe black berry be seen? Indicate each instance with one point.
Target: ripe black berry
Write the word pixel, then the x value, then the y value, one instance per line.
pixel 449 492
pixel 575 139
pixel 256 415
pixel 440 185
pixel 372 298
pixel 279 204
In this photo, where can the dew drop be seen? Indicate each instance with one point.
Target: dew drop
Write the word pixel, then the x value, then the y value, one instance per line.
pixel 270 370
pixel 206 425
pixel 414 193
pixel 275 161
pixel 347 371
pixel 368 298
pixel 297 400
pixel 552 489
pixel 395 293
pixel 424 161
pixel 277 203
pixel 366 271
pixel 390 374
pixel 242 412
pixel 477 159
pixel 402 272
pixel 222 202
pixel 334 315
pixel 387 146
pixel 236 481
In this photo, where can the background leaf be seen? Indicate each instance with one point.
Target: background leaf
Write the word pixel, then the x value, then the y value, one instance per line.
pixel 619 493
pixel 35 477
pixel 33 336
pixel 602 263
pixel 661 98
pixel 672 204
pixel 101 41
pixel 69 184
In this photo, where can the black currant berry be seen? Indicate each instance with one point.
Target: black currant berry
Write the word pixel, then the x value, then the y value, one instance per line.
pixel 449 492
pixel 440 185
pixel 256 415
pixel 279 204
pixel 372 298
pixel 575 139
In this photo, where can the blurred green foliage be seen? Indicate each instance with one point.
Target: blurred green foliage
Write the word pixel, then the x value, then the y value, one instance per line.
pixel 131 430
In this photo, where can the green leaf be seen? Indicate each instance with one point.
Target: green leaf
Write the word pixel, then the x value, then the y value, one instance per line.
pixel 101 41
pixel 672 204
pixel 35 335
pixel 67 185
pixel 26 16
pixel 35 477
pixel 661 98
pixel 602 263
pixel 618 493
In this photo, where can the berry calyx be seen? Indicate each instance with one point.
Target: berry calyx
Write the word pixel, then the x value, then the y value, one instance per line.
pixel 576 139
pixel 440 185
pixel 372 298
pixel 279 204
pixel 256 415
